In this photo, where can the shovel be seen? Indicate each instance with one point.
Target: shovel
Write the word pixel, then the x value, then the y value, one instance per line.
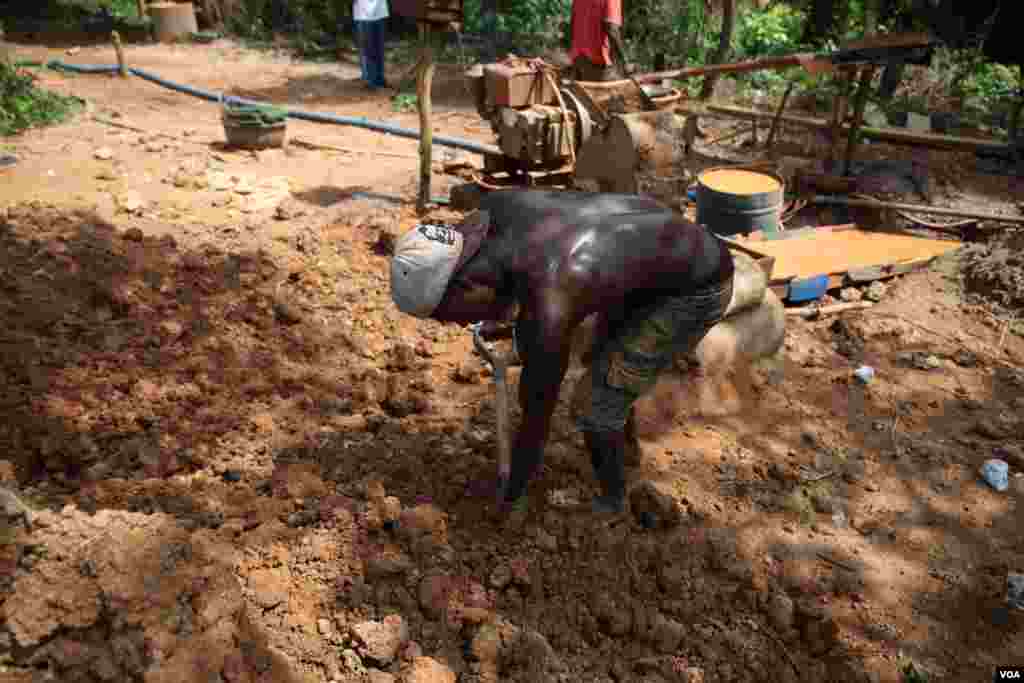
pixel 499 366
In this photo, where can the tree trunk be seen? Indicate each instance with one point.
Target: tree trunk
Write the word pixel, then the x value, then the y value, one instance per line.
pixel 424 82
pixel 724 46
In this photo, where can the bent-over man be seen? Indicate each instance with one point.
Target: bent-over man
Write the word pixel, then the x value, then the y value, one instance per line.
pixel 658 281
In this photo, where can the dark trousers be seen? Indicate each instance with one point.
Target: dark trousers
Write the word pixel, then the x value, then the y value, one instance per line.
pixel 371 51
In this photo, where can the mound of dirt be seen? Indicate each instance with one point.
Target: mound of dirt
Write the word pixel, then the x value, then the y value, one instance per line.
pixel 995 270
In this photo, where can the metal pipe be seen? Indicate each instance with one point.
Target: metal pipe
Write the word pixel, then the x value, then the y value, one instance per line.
pixel 360 122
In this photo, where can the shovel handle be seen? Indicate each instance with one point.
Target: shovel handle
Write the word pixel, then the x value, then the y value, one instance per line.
pixel 501 403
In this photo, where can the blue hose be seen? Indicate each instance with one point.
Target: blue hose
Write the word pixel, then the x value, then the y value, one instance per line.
pixel 359 122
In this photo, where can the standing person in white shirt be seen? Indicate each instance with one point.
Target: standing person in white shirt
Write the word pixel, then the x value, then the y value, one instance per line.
pixel 370 16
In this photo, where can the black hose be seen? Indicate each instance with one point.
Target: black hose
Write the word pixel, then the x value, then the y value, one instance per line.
pixel 359 122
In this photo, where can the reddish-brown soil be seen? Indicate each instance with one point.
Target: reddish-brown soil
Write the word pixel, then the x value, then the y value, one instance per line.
pixel 243 464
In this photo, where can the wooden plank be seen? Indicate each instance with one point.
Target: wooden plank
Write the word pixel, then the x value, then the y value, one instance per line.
pixel 890 135
pixel 839 252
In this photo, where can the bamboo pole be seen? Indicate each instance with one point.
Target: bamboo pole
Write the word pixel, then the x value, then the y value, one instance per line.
pixel 424 81
pixel 860 103
pixel 121 68
pixel 889 135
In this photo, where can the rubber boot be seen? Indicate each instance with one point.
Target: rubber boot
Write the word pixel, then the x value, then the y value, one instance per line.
pixel 607 453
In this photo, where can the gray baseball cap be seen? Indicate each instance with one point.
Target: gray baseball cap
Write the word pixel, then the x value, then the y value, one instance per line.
pixel 427 256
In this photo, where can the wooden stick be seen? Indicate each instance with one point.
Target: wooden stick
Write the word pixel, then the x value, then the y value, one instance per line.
pixel 860 103
pixel 811 312
pixel 121 68
pixel 350 150
pixel 778 115
pixel 500 366
pixel 889 135
pixel 424 81
pixel 922 208
pixel 141 6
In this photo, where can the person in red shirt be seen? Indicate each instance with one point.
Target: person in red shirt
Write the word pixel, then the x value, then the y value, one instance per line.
pixel 595 27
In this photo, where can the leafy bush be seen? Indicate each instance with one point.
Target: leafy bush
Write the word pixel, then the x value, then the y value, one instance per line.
pixel 23 105
pixel 992 84
pixel 775 31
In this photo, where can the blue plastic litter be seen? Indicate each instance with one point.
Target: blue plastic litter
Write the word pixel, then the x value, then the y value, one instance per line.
pixel 996 474
pixel 691 194
pixel 864 373
pixel 808 289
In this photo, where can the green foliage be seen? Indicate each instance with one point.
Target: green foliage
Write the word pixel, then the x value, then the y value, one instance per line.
pixel 23 105
pixel 404 103
pixel 992 84
pixel 775 31
pixel 532 17
pixel 911 674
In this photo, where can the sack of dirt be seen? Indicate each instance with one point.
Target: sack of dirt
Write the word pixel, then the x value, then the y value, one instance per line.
pixel 748 285
pixel 753 335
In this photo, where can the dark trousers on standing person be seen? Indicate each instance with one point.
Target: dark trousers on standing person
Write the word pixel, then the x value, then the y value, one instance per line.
pixel 371 51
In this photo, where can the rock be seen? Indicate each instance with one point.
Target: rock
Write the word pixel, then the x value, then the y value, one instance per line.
pixel 103 153
pixel 822 502
pixel 692 674
pixel 965 358
pixel 546 541
pixel 381 641
pixel 654 503
pixel 876 291
pixel 134 235
pixel 286 313
pixel 991 429
pixel 378 676
pixel 383 513
pixel 666 634
pixel 882 632
pixel 780 611
pixel 382 566
pixel 426 520
pixel 427 670
pixel 411 651
pixel 469 372
pixel 7 472
pixel 269 587
pixel 850 294
pixel 130 202
pixel 501 576
pixel 324 626
pixel 403 357
pixel 433 594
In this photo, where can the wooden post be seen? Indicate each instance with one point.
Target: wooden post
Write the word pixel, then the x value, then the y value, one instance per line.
pixel 778 115
pixel 141 6
pixel 121 68
pixel 860 103
pixel 838 117
pixel 424 80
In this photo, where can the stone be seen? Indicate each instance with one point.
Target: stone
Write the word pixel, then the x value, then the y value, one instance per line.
pixel 383 512
pixel 433 594
pixel 654 503
pixel 7 472
pixel 822 502
pixel 427 670
pixel 546 541
pixel 269 587
pixel 882 632
pixel 324 626
pixel 134 235
pixel 381 641
pixel 426 520
pixel 666 634
pixel 501 576
pixel 378 676
pixel 876 291
pixel 850 294
pixel 104 154
pixel 780 611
